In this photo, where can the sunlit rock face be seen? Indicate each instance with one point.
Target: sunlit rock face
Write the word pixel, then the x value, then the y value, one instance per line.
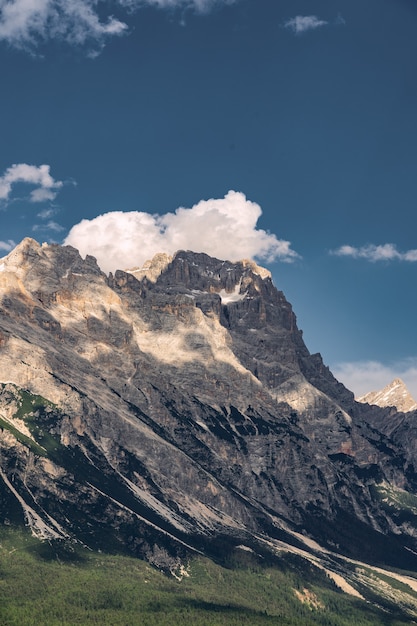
pixel 157 410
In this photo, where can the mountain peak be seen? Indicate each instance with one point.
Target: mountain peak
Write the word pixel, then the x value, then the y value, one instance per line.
pixel 394 394
pixel 25 248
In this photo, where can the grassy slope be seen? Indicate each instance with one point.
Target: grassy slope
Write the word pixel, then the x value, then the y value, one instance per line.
pixel 52 585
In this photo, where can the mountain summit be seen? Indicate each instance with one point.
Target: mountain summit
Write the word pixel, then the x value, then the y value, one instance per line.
pixel 394 394
pixel 177 410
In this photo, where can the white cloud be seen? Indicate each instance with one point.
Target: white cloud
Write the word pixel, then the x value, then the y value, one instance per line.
pixel 7 245
pixel 371 252
pixel 24 23
pixel 224 228
pixel 302 23
pixel 361 377
pixel 46 187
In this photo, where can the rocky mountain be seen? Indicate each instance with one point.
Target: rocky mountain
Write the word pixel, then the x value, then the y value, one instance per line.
pixel 394 394
pixel 175 409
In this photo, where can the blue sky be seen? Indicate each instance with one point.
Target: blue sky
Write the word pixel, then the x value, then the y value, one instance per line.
pixel 125 124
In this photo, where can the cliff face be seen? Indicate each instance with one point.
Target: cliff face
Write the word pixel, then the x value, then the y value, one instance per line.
pixel 159 410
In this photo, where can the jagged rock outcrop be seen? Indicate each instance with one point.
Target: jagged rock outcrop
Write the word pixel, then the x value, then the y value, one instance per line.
pixel 162 413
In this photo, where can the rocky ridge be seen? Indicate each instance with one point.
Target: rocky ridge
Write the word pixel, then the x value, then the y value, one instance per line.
pixel 177 409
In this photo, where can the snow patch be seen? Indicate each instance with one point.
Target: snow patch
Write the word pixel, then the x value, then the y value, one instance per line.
pixel 233 296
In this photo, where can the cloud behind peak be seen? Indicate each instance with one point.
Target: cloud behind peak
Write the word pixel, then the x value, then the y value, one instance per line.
pixel 225 228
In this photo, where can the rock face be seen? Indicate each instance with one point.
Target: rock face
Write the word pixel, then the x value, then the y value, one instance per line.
pixel 177 409
pixel 395 394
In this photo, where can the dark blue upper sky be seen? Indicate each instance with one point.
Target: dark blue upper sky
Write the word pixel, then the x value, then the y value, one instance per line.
pixel 308 108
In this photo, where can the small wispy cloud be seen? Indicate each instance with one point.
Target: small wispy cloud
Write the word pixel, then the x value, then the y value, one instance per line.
pixel 375 253
pixel 27 23
pixel 303 23
pixel 225 228
pixel 340 20
pixel 50 225
pixel 46 187
pixel 361 377
pixel 8 245
pixel 46 213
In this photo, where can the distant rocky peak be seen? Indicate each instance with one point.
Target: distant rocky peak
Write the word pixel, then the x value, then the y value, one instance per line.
pixel 394 394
